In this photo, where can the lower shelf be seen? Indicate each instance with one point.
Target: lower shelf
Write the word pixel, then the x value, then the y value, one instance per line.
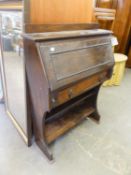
pixel 56 128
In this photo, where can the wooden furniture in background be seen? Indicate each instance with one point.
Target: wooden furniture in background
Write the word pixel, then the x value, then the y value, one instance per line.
pixel 64 94
pixel 12 65
pixel 105 12
pixel 129 58
pixel 108 4
pixel 105 17
pixel 128 50
pixel 122 24
pixel 58 11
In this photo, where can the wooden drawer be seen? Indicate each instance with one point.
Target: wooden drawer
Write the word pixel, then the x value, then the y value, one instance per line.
pixel 79 88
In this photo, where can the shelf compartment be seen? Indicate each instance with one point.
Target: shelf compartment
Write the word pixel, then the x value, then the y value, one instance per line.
pixel 70 119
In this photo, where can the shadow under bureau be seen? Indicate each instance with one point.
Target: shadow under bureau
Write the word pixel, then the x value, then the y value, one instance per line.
pixel 65 71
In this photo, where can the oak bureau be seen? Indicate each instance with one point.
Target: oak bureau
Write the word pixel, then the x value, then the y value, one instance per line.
pixel 65 71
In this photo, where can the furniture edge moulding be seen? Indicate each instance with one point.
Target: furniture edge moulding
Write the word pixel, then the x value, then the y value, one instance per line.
pixel 39 28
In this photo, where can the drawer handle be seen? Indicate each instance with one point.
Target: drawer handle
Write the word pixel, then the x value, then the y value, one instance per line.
pixel 101 77
pixel 53 100
pixel 70 93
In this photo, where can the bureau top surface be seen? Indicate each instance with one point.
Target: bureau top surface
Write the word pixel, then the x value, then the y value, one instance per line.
pixel 66 34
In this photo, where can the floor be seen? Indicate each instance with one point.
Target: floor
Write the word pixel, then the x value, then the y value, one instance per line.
pixel 89 149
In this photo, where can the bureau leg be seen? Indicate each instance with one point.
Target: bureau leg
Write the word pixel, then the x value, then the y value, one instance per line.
pixel 40 138
pixel 96 116
pixel 43 146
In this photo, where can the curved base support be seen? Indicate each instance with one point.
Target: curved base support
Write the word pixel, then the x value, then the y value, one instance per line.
pixel 95 116
pixel 42 145
pixel 40 136
pixel 40 128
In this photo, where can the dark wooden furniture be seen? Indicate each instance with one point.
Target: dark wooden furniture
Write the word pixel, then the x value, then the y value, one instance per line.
pixel 65 71
pixel 105 17
pixel 119 23
pixel 128 49
pixel 108 4
pixel 105 13
pixel 123 22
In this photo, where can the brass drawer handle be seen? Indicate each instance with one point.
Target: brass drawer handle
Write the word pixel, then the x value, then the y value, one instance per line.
pixel 53 100
pixel 101 77
pixel 70 93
